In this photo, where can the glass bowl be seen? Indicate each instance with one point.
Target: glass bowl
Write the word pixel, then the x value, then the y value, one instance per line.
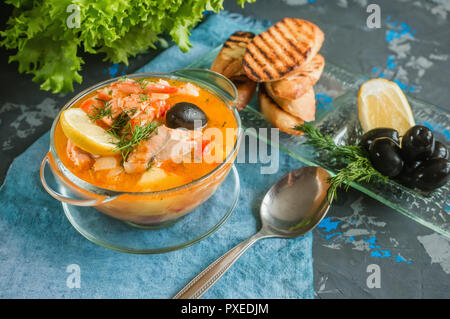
pixel 143 208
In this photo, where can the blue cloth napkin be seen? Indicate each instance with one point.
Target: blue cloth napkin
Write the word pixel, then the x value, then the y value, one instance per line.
pixel 38 243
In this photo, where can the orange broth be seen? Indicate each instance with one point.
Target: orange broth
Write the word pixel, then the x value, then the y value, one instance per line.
pixel 219 116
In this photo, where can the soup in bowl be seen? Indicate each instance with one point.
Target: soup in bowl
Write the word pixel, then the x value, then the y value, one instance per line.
pixel 145 148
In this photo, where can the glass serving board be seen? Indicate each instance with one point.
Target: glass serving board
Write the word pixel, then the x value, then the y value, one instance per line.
pixel 337 116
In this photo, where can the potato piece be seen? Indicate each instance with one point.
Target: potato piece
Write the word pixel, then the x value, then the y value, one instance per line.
pixel 157 177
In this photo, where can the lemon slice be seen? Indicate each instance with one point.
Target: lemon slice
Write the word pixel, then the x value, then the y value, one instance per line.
pixel 381 103
pixel 86 134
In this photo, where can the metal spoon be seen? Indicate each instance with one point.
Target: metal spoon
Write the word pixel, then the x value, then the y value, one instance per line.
pixel 292 207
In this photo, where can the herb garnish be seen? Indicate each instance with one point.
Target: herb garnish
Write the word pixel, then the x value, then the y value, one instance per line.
pixel 357 167
pixel 142 83
pixel 100 112
pixel 132 136
pixel 118 124
pixel 143 98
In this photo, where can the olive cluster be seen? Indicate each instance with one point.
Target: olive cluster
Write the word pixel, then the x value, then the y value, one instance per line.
pixel 418 161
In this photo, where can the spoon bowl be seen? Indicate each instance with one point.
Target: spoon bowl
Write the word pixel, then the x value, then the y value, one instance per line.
pixel 296 203
pixel 293 206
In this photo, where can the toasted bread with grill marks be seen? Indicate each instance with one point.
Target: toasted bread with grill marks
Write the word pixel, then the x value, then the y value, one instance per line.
pixel 304 107
pixel 297 85
pixel 278 52
pixel 245 88
pixel 282 120
pixel 229 60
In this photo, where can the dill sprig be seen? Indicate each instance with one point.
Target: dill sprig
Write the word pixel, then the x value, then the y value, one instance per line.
pixel 132 136
pixel 357 166
pixel 118 124
pixel 142 83
pixel 143 98
pixel 100 112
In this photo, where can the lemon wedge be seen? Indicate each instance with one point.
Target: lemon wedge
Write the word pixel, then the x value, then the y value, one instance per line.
pixel 381 103
pixel 85 134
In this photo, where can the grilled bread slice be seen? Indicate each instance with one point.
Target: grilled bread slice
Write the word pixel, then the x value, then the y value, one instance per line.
pixel 304 107
pixel 278 52
pixel 282 120
pixel 245 88
pixel 229 60
pixel 297 85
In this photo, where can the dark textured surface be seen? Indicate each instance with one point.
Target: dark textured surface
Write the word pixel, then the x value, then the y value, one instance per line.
pixel 411 46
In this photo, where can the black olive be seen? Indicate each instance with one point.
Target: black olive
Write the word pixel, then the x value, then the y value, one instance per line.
pixel 186 115
pixel 440 150
pixel 385 156
pixel 407 175
pixel 417 144
pixel 371 135
pixel 432 174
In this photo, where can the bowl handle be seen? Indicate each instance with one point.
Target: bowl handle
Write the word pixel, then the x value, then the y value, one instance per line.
pixel 47 169
pixel 214 80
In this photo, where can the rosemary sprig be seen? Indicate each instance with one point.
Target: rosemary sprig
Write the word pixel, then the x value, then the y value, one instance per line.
pixel 132 136
pixel 357 167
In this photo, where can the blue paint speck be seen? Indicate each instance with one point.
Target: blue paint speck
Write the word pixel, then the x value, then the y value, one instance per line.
pixel 332 235
pixel 381 253
pixel 327 225
pixel 323 100
pixel 113 70
pixel 390 62
pixel 438 128
pixel 400 29
pixel 400 259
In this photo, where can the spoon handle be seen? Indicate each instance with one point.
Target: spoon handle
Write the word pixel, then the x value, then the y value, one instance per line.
pixel 203 281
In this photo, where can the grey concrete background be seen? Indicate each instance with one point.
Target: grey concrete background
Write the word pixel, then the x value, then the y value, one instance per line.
pixel 412 46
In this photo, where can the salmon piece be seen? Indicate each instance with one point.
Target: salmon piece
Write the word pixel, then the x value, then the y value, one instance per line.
pixel 167 144
pixel 304 107
pixel 128 87
pixel 279 52
pixel 105 94
pixel 140 156
pixel 189 89
pixel 93 106
pixel 161 87
pixel 181 142
pixel 79 157
pixel 293 87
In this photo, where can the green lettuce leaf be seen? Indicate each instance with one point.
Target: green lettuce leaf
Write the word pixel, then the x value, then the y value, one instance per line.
pixel 49 49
